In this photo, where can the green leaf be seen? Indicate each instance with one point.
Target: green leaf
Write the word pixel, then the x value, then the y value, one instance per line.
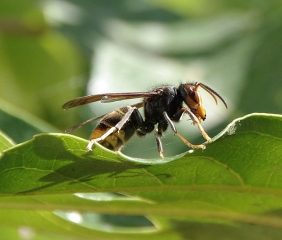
pixel 234 184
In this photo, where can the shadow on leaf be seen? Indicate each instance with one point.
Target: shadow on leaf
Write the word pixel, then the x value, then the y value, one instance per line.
pixel 51 164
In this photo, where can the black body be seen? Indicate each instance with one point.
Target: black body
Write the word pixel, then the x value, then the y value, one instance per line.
pixel 162 107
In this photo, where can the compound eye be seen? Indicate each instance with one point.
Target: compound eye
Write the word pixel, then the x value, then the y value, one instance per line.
pixel 193 99
pixel 197 98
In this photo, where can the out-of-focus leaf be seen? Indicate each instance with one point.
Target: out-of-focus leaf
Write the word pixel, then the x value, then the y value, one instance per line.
pixel 19 124
pixel 38 65
pixel 262 90
pixel 207 8
pixel 5 142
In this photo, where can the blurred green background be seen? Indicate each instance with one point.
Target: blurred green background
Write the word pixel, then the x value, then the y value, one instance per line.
pixel 52 51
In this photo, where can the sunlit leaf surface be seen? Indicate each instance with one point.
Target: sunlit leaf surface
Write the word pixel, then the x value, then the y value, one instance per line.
pixel 235 182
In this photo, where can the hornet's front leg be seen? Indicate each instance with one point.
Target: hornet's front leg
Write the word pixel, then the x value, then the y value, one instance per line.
pixel 195 120
pixel 171 124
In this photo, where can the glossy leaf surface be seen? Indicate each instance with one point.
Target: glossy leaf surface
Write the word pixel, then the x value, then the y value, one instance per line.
pixel 234 182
